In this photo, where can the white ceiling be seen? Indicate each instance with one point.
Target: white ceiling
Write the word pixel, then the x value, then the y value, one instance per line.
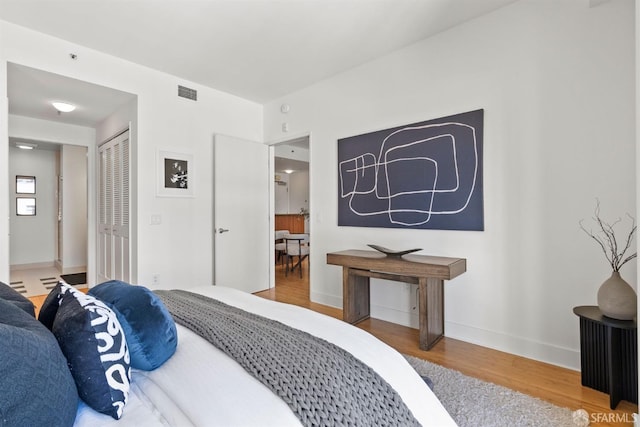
pixel 31 92
pixel 257 49
pixel 282 164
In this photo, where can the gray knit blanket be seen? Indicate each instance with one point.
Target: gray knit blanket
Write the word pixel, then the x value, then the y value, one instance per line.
pixel 323 384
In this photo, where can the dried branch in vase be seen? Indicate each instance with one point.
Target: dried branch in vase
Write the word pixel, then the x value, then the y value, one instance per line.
pixel 606 239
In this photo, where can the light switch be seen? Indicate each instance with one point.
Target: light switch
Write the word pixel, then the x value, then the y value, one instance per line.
pixel 156 219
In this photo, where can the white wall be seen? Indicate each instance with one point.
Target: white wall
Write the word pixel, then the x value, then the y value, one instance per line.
pixel 118 121
pixel 281 195
pixel 165 122
pixel 299 195
pixel 290 198
pixel 556 81
pixel 33 238
pixel 297 182
pixel 298 191
pixel 73 168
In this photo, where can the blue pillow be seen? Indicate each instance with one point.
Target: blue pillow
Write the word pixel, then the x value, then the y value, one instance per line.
pixel 150 330
pixel 94 344
pixel 36 387
pixel 7 293
pixel 50 306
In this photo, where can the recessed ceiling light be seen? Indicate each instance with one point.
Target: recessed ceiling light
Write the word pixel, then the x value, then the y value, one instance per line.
pixel 63 107
pixel 26 145
pixel 288 171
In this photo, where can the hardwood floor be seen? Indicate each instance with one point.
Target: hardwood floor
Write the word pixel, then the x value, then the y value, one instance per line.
pixel 554 384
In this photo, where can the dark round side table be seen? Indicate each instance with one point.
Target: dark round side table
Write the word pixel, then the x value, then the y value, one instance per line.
pixel 608 354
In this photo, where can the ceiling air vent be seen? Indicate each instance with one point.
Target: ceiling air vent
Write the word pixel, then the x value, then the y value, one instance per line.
pixel 185 92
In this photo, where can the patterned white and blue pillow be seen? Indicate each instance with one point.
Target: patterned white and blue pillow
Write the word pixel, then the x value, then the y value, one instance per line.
pixel 95 346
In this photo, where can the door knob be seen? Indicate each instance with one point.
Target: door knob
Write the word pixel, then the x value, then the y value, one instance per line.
pixel 222 230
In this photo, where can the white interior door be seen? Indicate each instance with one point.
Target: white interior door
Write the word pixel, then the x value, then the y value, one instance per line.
pixel 241 214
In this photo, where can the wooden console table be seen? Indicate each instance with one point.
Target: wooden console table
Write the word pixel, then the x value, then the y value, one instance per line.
pixel 428 272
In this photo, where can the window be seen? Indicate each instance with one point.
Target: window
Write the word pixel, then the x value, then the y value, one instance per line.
pixel 26 206
pixel 25 184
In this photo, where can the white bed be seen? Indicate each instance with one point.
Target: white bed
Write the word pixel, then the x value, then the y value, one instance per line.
pixel 201 386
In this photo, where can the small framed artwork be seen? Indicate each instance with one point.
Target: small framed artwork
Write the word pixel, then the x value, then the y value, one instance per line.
pixel 25 184
pixel 26 206
pixel 175 174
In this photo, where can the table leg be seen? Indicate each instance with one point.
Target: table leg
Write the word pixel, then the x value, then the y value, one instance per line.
pixel 431 311
pixel 614 368
pixel 355 297
pixel 299 264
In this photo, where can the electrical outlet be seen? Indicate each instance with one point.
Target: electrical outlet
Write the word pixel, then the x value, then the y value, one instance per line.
pixel 414 298
pixel 155 279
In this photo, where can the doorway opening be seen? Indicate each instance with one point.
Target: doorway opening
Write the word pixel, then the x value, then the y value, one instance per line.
pixel 50 239
pixel 292 225
pixel 74 135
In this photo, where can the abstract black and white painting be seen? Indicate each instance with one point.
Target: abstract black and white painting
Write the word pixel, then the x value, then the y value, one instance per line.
pixel 175 174
pixel 425 175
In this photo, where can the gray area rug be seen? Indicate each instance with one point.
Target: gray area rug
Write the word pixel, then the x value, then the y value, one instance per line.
pixel 475 403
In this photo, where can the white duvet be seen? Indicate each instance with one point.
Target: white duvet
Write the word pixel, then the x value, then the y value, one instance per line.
pixel 201 386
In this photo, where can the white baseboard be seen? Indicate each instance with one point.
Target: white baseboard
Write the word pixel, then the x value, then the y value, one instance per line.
pixel 330 300
pixel 33 265
pixel 555 355
pixel 560 356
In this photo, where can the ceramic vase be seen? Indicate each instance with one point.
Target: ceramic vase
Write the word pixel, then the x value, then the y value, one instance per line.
pixel 617 299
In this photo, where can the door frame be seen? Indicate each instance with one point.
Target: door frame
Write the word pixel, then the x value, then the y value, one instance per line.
pixel 272 193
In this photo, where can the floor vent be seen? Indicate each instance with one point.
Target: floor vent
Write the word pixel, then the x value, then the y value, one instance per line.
pixel 188 93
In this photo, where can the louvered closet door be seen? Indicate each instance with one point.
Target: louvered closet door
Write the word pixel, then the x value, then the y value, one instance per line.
pixel 113 230
pixel 105 212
